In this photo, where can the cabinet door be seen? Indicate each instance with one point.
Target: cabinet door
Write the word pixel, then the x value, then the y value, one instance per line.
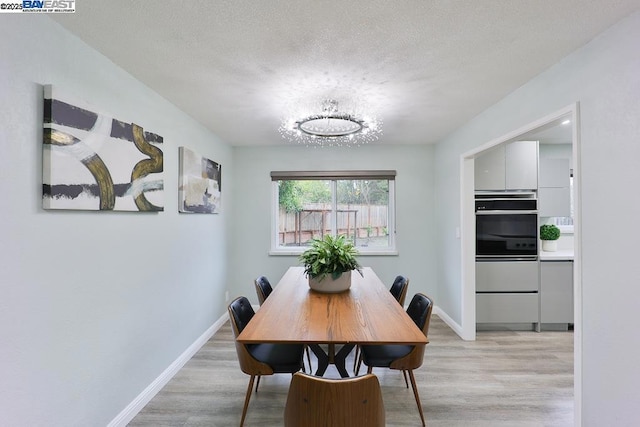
pixel 554 201
pixel 490 169
pixel 507 276
pixel 507 308
pixel 521 170
pixel 554 194
pixel 556 292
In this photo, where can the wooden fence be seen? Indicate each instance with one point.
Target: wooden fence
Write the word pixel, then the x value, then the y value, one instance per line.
pixel 314 221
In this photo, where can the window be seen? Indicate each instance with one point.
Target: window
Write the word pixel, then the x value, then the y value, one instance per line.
pixel 565 223
pixel 358 204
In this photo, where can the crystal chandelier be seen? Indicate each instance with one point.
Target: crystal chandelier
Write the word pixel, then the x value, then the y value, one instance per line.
pixel 331 128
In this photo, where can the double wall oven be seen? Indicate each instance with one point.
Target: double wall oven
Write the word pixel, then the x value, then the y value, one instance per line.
pixel 507 268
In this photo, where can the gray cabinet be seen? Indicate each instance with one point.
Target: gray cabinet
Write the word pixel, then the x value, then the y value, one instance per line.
pixel 507 292
pixel 554 194
pixel 521 165
pixel 507 308
pixel 490 169
pixel 556 292
pixel 511 166
pixel 507 276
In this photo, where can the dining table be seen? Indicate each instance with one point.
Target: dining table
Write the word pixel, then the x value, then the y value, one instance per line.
pixel 365 314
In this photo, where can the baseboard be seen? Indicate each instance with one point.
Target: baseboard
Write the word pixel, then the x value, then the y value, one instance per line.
pixel 448 320
pixel 148 393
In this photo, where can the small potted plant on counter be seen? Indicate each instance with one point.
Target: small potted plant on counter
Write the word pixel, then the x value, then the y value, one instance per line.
pixel 329 262
pixel 549 234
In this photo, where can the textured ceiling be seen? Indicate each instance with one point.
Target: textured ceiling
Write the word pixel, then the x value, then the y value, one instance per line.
pixel 423 67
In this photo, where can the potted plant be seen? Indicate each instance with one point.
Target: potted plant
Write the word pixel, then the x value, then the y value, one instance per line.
pixel 328 263
pixel 549 234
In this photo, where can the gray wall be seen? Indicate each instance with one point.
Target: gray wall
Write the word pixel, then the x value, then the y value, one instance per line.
pixel 604 76
pixel 414 210
pixel 94 306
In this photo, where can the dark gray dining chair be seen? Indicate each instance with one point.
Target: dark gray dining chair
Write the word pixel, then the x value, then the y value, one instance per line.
pixel 260 359
pixel 263 290
pixel 403 357
pixel 398 289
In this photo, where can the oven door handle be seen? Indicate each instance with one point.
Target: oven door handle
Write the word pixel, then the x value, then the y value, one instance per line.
pixel 481 212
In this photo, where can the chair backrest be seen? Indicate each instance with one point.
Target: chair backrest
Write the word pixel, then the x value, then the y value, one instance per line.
pixel 316 401
pixel 419 310
pixel 263 288
pixel 240 314
pixel 399 289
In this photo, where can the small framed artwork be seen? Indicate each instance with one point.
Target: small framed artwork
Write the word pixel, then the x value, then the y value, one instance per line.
pixel 200 183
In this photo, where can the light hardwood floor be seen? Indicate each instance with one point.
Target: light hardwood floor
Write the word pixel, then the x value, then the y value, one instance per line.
pixel 501 379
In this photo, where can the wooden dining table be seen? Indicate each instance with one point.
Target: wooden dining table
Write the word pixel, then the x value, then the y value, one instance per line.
pixel 365 314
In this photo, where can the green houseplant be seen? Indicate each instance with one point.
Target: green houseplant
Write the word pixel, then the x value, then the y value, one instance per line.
pixel 326 261
pixel 549 233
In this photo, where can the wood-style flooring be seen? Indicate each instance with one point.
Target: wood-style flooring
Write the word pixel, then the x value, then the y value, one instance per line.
pixel 501 379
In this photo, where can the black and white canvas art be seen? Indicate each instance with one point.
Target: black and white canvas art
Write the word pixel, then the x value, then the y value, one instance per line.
pixel 200 184
pixel 92 161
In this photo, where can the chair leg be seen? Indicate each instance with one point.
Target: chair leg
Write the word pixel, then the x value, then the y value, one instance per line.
pixel 404 374
pixel 247 398
pixel 369 369
pixel 258 383
pixel 356 371
pixel 415 393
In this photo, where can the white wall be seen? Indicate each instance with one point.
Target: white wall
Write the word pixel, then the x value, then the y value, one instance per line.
pixel 604 77
pixel 414 210
pixel 94 305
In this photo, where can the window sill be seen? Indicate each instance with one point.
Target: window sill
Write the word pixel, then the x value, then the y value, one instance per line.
pixel 362 252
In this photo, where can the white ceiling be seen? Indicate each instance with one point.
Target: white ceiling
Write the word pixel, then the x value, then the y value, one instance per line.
pixel 423 67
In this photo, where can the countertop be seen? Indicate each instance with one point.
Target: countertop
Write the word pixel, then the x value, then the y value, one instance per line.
pixel 559 255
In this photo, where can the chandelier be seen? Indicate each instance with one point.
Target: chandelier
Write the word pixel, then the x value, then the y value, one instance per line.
pixel 331 128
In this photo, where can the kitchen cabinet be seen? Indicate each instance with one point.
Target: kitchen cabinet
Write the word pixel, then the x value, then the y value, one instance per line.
pixel 556 293
pixel 510 166
pixel 507 308
pixel 507 292
pixel 490 169
pixel 554 193
pixel 507 276
pixel 521 159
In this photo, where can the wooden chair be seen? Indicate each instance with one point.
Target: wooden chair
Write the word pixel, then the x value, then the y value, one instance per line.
pixel 348 402
pixel 399 291
pixel 260 359
pixel 403 357
pixel 263 288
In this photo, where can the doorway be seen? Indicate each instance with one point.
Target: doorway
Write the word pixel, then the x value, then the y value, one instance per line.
pixel 467 234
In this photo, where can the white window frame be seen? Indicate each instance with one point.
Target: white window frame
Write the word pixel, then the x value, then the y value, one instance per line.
pixel 333 176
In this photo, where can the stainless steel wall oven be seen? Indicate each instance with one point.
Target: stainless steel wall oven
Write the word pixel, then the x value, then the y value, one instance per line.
pixel 506 226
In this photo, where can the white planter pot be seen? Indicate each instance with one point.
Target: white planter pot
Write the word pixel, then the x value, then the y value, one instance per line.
pixel 549 245
pixel 328 285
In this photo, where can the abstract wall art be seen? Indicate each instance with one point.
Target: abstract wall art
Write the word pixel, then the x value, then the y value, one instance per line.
pixel 92 161
pixel 200 184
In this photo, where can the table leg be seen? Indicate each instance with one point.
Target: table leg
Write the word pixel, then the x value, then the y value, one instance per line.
pixel 340 359
pixel 323 359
